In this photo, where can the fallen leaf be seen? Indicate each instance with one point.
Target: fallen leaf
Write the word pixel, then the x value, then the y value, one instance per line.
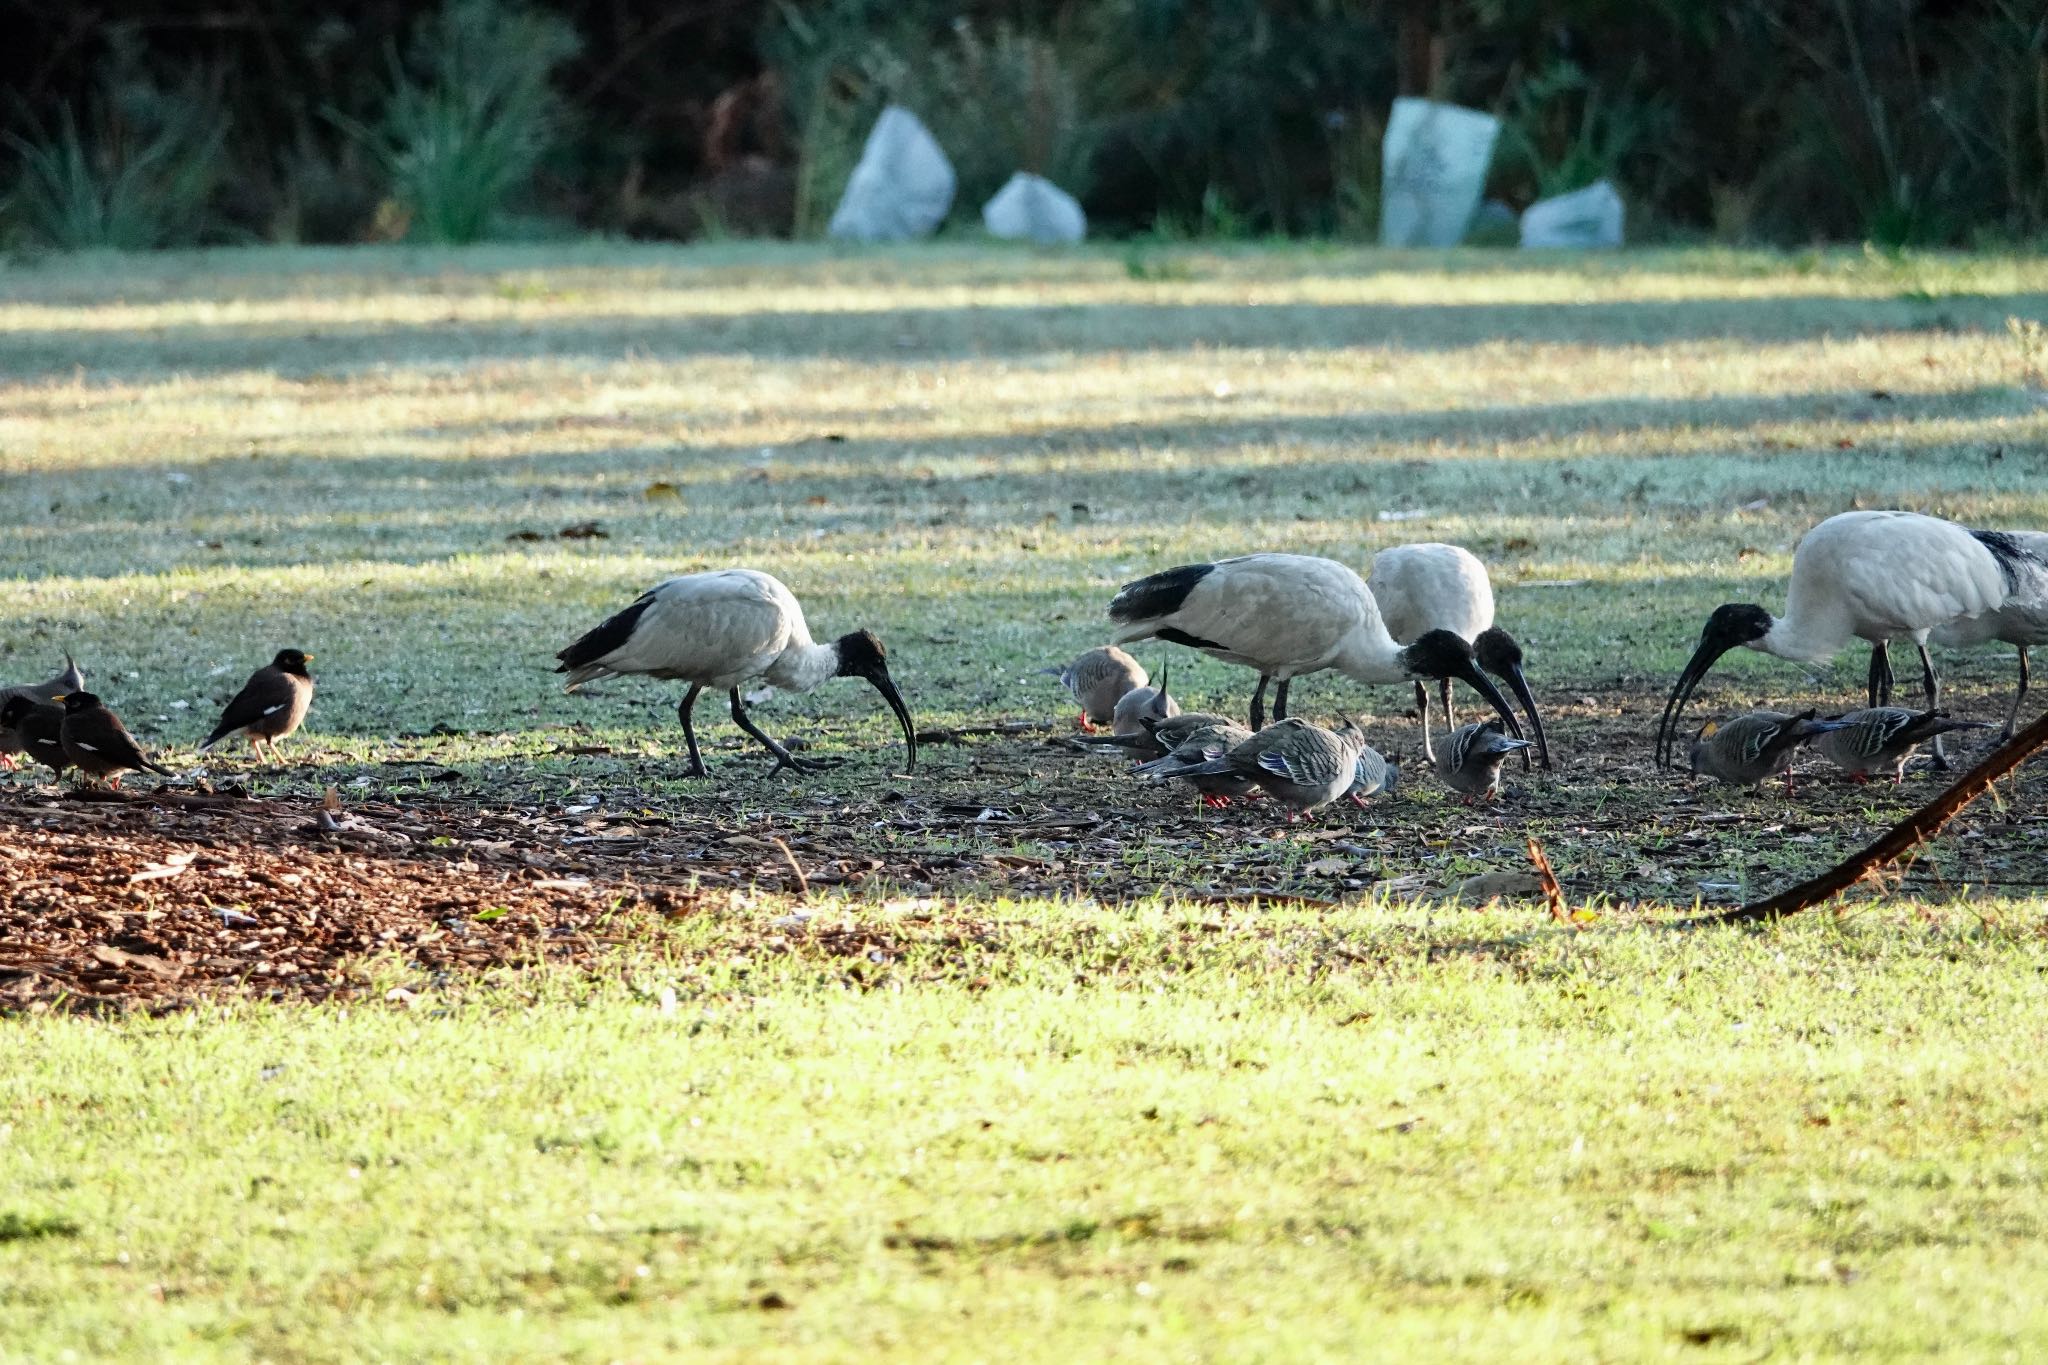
pixel 661 489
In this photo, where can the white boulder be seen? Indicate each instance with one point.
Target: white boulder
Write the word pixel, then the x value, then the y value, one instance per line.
pixel 1433 165
pixel 1588 217
pixel 902 187
pixel 1031 208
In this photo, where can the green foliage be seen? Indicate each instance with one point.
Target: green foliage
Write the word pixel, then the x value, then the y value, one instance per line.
pixel 998 101
pixel 1560 132
pixel 469 115
pixel 139 171
pixel 1005 102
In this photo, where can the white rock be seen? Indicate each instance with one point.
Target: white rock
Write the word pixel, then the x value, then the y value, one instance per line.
pixel 1433 165
pixel 902 187
pixel 1587 217
pixel 1031 208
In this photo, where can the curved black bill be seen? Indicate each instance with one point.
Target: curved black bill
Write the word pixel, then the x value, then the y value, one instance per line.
pixel 887 687
pixel 1483 685
pixel 1519 685
pixel 1681 692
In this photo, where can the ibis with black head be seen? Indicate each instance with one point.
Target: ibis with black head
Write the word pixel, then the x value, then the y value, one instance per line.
pixel 722 630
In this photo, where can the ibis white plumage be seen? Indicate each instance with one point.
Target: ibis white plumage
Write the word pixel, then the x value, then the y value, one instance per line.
pixel 1433 586
pixel 1288 615
pixel 2020 621
pixel 1876 576
pixel 721 630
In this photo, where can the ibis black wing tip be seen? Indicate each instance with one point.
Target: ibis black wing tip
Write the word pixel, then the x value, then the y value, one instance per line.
pixel 1157 595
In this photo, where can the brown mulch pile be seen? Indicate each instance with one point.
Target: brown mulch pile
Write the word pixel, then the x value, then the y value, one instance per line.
pixel 161 899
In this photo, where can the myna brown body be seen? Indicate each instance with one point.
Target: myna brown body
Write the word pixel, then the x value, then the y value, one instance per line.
pixel 96 741
pixel 270 706
pixel 70 680
pixel 35 729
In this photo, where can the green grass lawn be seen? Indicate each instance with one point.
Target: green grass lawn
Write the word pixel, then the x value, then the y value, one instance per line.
pixel 1020 1124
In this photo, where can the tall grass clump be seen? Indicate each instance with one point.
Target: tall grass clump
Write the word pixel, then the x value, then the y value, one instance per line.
pixel 469 115
pixel 138 171
pixel 1005 101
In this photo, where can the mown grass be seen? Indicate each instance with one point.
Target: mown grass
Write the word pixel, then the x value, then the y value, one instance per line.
pixel 1079 1130
pixel 1116 1134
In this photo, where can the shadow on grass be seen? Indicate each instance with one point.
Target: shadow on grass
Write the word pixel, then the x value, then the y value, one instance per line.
pixel 1662 456
pixel 927 335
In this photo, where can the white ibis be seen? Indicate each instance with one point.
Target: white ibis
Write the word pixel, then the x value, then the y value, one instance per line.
pixel 1470 759
pixel 1744 751
pixel 1885 737
pixel 1445 587
pixel 37 694
pixel 1288 615
pixel 1099 678
pixel 721 630
pixel 2021 621
pixel 1876 576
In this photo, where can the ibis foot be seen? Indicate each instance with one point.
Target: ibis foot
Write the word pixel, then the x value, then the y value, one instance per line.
pixel 785 759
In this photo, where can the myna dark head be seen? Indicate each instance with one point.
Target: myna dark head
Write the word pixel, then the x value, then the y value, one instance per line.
pixel 1446 654
pixel 77 702
pixel 292 661
pixel 861 655
pixel 1733 624
pixel 15 709
pixel 1499 654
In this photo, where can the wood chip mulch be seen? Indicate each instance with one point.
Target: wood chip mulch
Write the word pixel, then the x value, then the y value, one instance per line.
pixel 162 899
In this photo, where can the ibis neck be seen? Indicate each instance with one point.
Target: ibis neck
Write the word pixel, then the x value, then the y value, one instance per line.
pixel 1802 639
pixel 802 667
pixel 1370 655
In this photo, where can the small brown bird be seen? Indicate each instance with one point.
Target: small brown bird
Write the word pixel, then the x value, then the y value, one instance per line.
pixel 96 741
pixel 36 694
pixel 36 729
pixel 270 705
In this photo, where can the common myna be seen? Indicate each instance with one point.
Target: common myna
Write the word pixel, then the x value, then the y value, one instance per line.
pixel 36 729
pixel 70 680
pixel 96 741
pixel 270 705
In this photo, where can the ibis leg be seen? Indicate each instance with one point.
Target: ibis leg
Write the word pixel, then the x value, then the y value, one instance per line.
pixel 1259 704
pixel 683 710
pixel 2012 718
pixel 1422 710
pixel 1280 699
pixel 1933 702
pixel 1450 716
pixel 1880 687
pixel 783 757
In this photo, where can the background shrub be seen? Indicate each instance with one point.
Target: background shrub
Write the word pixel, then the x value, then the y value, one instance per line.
pixel 1895 121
